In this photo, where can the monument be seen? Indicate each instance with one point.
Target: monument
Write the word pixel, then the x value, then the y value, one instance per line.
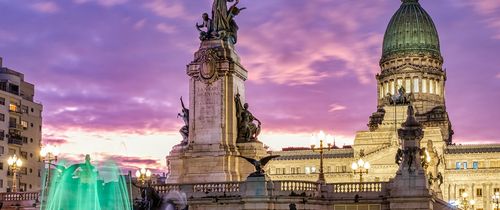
pixel 218 124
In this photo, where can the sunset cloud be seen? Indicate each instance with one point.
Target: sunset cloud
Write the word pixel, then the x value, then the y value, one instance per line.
pixel 46 7
pixel 110 82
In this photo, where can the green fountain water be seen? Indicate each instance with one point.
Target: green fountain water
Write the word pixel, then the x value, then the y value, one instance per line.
pixel 83 187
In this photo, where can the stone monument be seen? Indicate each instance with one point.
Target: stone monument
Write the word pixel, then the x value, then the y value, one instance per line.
pixel 216 92
pixel 410 188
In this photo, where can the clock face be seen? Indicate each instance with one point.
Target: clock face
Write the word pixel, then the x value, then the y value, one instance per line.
pixel 207 70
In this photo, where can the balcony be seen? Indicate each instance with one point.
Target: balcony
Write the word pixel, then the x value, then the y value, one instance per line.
pixel 15 126
pixel 15 139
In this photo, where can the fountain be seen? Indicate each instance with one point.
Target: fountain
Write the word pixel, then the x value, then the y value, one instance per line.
pixel 83 187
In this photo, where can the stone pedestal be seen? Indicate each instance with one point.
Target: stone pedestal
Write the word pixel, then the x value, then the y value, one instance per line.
pixel 256 187
pixel 216 76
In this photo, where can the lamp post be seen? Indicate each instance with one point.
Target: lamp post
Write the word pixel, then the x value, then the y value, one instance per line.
pixel 143 175
pixel 360 167
pixel 465 203
pixel 15 163
pixel 321 137
pixel 496 199
pixel 49 153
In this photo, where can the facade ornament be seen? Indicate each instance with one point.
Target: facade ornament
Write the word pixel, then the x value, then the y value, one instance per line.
pixel 222 25
pixel 184 131
pixel 248 131
pixel 208 61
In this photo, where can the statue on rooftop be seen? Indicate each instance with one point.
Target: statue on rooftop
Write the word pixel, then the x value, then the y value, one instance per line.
pixel 248 131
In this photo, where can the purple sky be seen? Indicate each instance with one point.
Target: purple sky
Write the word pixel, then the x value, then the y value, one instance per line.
pixel 112 70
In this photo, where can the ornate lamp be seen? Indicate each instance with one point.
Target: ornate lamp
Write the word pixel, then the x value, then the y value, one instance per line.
pixel 360 167
pixel 15 163
pixel 143 175
pixel 321 137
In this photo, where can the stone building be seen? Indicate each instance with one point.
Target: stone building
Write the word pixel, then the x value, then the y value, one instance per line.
pixel 410 121
pixel 411 72
pixel 20 131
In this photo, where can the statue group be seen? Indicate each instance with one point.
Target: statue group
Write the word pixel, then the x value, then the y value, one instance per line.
pixel 248 131
pixel 221 25
pixel 400 98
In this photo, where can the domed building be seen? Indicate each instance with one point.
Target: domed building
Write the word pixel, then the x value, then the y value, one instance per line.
pixel 404 160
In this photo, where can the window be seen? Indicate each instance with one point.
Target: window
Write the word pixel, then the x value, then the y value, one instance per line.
pixel 438 89
pixel 2 117
pixel 461 191
pixel 1 150
pixel 2 101
pixel 307 170
pixel 416 87
pixel 465 165
pixel 344 168
pixel 475 165
pixel 328 169
pixel 24 109
pixel 381 91
pixel 278 171
pixel 24 155
pixel 458 165
pixel 292 170
pixel 496 190
pixel 392 87
pixel 431 86
pixel 24 124
pixel 284 171
pixel 386 88
pixel 479 192
pixel 424 85
pixel 13 107
pixel 1 183
pixel 400 83
pixel 1 165
pixel 2 134
pixel 408 85
pixel 313 169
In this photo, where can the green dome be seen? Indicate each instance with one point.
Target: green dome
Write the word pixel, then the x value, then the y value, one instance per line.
pixel 411 30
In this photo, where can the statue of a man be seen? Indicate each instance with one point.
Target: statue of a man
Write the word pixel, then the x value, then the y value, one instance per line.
pixel 208 24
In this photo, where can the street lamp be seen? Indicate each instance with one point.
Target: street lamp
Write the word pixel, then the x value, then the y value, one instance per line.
pixel 360 167
pixel 321 137
pixel 15 163
pixel 465 203
pixel 495 199
pixel 143 175
pixel 49 153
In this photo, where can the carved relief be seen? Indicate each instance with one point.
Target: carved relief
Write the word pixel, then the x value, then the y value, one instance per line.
pixel 206 62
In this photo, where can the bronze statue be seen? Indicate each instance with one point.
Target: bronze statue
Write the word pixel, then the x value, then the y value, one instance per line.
pixel 222 24
pixel 208 24
pixel 247 130
pixel 400 98
pixel 259 164
pixel 185 129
